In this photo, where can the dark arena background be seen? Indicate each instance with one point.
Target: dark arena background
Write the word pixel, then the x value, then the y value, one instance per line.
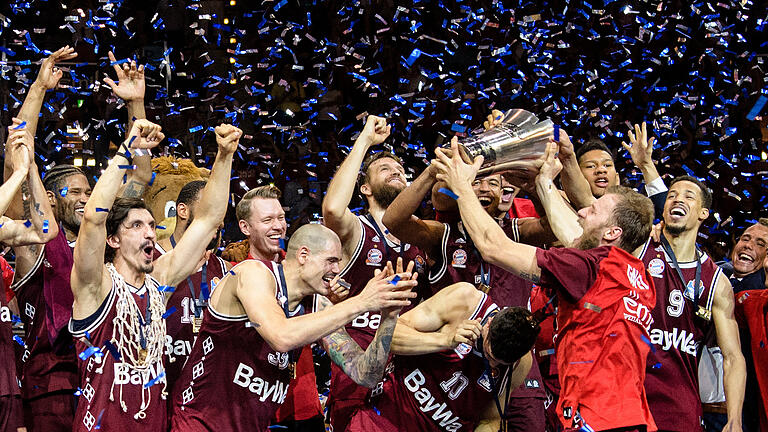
pixel 299 78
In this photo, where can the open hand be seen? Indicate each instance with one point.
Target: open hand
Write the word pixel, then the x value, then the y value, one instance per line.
pixel 640 147
pixel 130 85
pixel 453 170
pixel 387 291
pixel 49 74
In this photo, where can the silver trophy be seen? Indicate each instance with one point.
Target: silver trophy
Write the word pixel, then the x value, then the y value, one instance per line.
pixel 517 144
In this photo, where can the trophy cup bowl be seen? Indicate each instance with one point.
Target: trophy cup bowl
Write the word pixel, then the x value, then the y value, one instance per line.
pixel 516 145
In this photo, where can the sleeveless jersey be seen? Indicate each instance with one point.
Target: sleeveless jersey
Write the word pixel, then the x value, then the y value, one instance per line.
pixel 43 367
pixel 105 380
pixel 461 262
pixel 181 313
pixel 233 380
pixel 372 253
pixel 441 391
pixel 9 384
pixel 672 383
pixel 605 301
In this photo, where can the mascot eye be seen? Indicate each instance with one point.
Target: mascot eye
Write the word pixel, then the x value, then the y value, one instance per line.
pixel 170 209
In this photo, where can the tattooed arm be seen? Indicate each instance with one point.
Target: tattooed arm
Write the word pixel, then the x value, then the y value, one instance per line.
pixel 364 367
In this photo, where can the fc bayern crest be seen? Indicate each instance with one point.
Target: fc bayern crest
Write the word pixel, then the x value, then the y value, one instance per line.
pixel 459 259
pixel 374 257
pixel 656 267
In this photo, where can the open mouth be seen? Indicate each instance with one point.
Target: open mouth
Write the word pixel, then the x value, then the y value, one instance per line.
pixel 80 211
pixel 148 250
pixel 601 182
pixel 678 212
pixel 327 279
pixel 485 201
pixel 745 258
pixel 275 238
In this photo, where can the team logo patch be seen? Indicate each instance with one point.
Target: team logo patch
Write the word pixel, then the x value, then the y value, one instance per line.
pixel 463 349
pixel 459 259
pixel 656 267
pixel 419 263
pixel 532 384
pixel 374 257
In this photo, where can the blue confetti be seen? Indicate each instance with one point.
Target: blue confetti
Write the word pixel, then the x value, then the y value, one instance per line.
pixel 169 312
pixel 155 380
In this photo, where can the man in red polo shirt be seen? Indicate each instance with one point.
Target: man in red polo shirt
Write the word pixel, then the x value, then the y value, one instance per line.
pixel 604 293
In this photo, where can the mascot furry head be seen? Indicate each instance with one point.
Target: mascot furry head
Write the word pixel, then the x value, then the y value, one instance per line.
pixel 171 174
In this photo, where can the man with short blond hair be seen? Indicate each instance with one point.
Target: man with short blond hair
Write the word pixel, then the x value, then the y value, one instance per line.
pixel 262 219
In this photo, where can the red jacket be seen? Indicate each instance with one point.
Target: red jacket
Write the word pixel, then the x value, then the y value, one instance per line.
pixel 605 300
pixel 752 312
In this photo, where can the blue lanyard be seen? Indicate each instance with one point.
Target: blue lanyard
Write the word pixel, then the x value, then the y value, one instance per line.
pixel 294 354
pixel 205 294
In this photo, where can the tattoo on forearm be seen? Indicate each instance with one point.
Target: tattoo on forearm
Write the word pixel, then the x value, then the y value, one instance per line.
pixel 134 189
pixel 364 367
pixel 25 199
pixel 529 276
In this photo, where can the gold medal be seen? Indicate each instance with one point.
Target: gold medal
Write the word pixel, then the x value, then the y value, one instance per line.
pixel 292 369
pixel 703 313
pixel 196 324
pixel 484 288
pixel 143 355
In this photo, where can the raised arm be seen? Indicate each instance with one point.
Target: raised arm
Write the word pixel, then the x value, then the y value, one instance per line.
pixel 404 224
pixel 256 292
pixel 562 219
pixel 182 260
pixel 734 367
pixel 439 323
pixel 336 213
pixel 130 88
pixel 88 276
pixel 575 185
pixel 39 227
pixel 495 247
pixel 640 148
pixel 47 79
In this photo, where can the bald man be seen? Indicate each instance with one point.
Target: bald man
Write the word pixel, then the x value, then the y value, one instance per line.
pixel 258 320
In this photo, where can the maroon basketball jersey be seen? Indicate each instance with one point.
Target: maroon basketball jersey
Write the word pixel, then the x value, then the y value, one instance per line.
pixel 461 262
pixel 113 395
pixel 442 391
pixel 671 383
pixel 372 253
pixel 233 380
pixel 42 367
pixel 9 384
pixel 181 309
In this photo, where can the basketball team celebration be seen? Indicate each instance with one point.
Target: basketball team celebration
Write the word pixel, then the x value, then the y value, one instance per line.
pixel 382 215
